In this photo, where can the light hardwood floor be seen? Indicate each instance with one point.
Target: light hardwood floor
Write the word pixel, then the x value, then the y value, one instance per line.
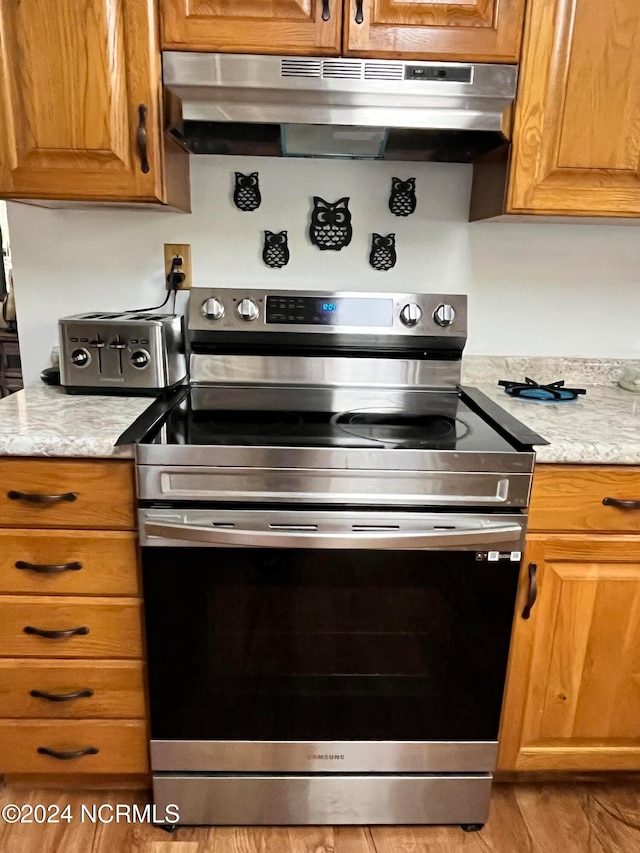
pixel 525 818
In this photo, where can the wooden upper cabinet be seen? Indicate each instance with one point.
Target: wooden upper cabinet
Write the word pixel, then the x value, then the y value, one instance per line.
pixel 253 26
pixel 577 124
pixel 80 102
pixel 573 687
pixel 466 30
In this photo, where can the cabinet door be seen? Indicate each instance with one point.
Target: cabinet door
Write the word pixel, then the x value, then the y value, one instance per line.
pixel 577 127
pixel 254 26
pixel 573 687
pixel 73 77
pixel 468 30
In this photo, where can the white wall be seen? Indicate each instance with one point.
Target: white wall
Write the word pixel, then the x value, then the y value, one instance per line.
pixel 534 289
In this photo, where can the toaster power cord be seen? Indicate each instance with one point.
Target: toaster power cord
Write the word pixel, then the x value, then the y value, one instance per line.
pixel 174 280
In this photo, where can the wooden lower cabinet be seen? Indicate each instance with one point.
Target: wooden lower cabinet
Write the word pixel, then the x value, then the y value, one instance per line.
pixel 71 650
pixel 572 699
pixel 71 689
pixel 109 746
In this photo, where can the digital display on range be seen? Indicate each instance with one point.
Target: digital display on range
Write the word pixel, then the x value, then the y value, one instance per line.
pixel 327 311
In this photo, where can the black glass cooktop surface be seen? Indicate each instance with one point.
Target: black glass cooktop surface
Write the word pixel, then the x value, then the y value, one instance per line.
pixel 445 422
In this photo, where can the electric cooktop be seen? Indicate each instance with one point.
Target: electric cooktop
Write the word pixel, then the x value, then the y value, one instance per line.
pixel 446 424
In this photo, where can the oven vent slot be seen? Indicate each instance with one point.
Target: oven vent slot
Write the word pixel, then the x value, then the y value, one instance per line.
pixel 294 527
pixel 444 527
pixel 224 525
pixel 369 528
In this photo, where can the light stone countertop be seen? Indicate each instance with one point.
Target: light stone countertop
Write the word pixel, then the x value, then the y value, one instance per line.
pixel 45 421
pixel 600 428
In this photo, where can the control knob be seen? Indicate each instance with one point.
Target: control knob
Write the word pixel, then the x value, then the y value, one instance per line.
pixel 212 309
pixel 444 315
pixel 247 309
pixel 80 357
pixel 140 359
pixel 410 315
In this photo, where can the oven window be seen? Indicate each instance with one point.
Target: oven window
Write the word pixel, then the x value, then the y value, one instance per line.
pixel 265 644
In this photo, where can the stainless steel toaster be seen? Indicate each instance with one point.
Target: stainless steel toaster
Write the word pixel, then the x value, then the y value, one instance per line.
pixel 130 353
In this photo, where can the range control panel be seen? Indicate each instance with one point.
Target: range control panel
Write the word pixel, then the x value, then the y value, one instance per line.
pixel 419 314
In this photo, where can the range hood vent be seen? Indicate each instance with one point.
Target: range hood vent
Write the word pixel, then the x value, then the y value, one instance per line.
pixel 241 104
pixel 341 69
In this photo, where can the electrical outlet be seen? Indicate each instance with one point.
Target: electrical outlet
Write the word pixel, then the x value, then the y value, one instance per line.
pixel 184 251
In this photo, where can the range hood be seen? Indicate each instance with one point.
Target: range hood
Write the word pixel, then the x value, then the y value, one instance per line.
pixel 337 107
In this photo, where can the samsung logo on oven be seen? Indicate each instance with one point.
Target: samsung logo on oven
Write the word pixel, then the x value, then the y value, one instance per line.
pixel 318 757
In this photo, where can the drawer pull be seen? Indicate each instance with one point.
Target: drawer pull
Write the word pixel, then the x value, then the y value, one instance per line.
pixel 359 15
pixel 41 499
pixel 66 756
pixel 55 635
pixel 48 568
pixel 326 10
pixel 61 697
pixel 620 503
pixel 533 591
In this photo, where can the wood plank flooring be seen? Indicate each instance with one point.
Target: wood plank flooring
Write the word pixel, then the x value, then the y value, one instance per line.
pixel 602 817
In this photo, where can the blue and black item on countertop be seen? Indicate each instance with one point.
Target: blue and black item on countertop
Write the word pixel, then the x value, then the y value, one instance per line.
pixel 554 392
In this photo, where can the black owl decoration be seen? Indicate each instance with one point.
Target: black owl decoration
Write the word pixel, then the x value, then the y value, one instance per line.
pixel 402 201
pixel 275 252
pixel 246 195
pixel 330 224
pixel 383 252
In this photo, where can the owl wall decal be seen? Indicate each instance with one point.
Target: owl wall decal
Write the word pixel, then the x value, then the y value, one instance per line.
pixel 383 252
pixel 402 200
pixel 275 252
pixel 246 195
pixel 330 224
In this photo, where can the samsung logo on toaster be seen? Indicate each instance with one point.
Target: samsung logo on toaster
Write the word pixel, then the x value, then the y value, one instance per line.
pixel 317 757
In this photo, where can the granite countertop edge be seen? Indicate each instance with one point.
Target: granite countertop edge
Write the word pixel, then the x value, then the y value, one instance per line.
pixel 580 432
pixel 44 421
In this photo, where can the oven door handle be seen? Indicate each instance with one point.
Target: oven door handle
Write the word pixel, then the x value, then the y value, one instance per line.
pixel 372 538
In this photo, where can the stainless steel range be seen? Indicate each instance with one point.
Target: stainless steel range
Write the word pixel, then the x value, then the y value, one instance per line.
pixel 331 531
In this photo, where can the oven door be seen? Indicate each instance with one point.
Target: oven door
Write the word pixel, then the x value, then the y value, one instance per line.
pixel 329 641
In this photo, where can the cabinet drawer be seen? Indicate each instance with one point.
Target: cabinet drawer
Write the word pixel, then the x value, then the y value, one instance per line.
pixel 69 493
pixel 110 627
pixel 67 562
pixel 121 746
pixel 99 688
pixel 570 497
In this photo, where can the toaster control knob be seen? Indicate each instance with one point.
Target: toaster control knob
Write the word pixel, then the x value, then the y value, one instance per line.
pixel 410 315
pixel 80 357
pixel 140 359
pixel 247 309
pixel 213 309
pixel 444 315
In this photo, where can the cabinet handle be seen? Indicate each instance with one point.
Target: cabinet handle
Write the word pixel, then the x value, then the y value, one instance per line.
pixel 359 15
pixel 326 11
pixel 55 635
pixel 48 568
pixel 65 756
pixel 533 591
pixel 35 498
pixel 141 138
pixel 61 697
pixel 620 503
